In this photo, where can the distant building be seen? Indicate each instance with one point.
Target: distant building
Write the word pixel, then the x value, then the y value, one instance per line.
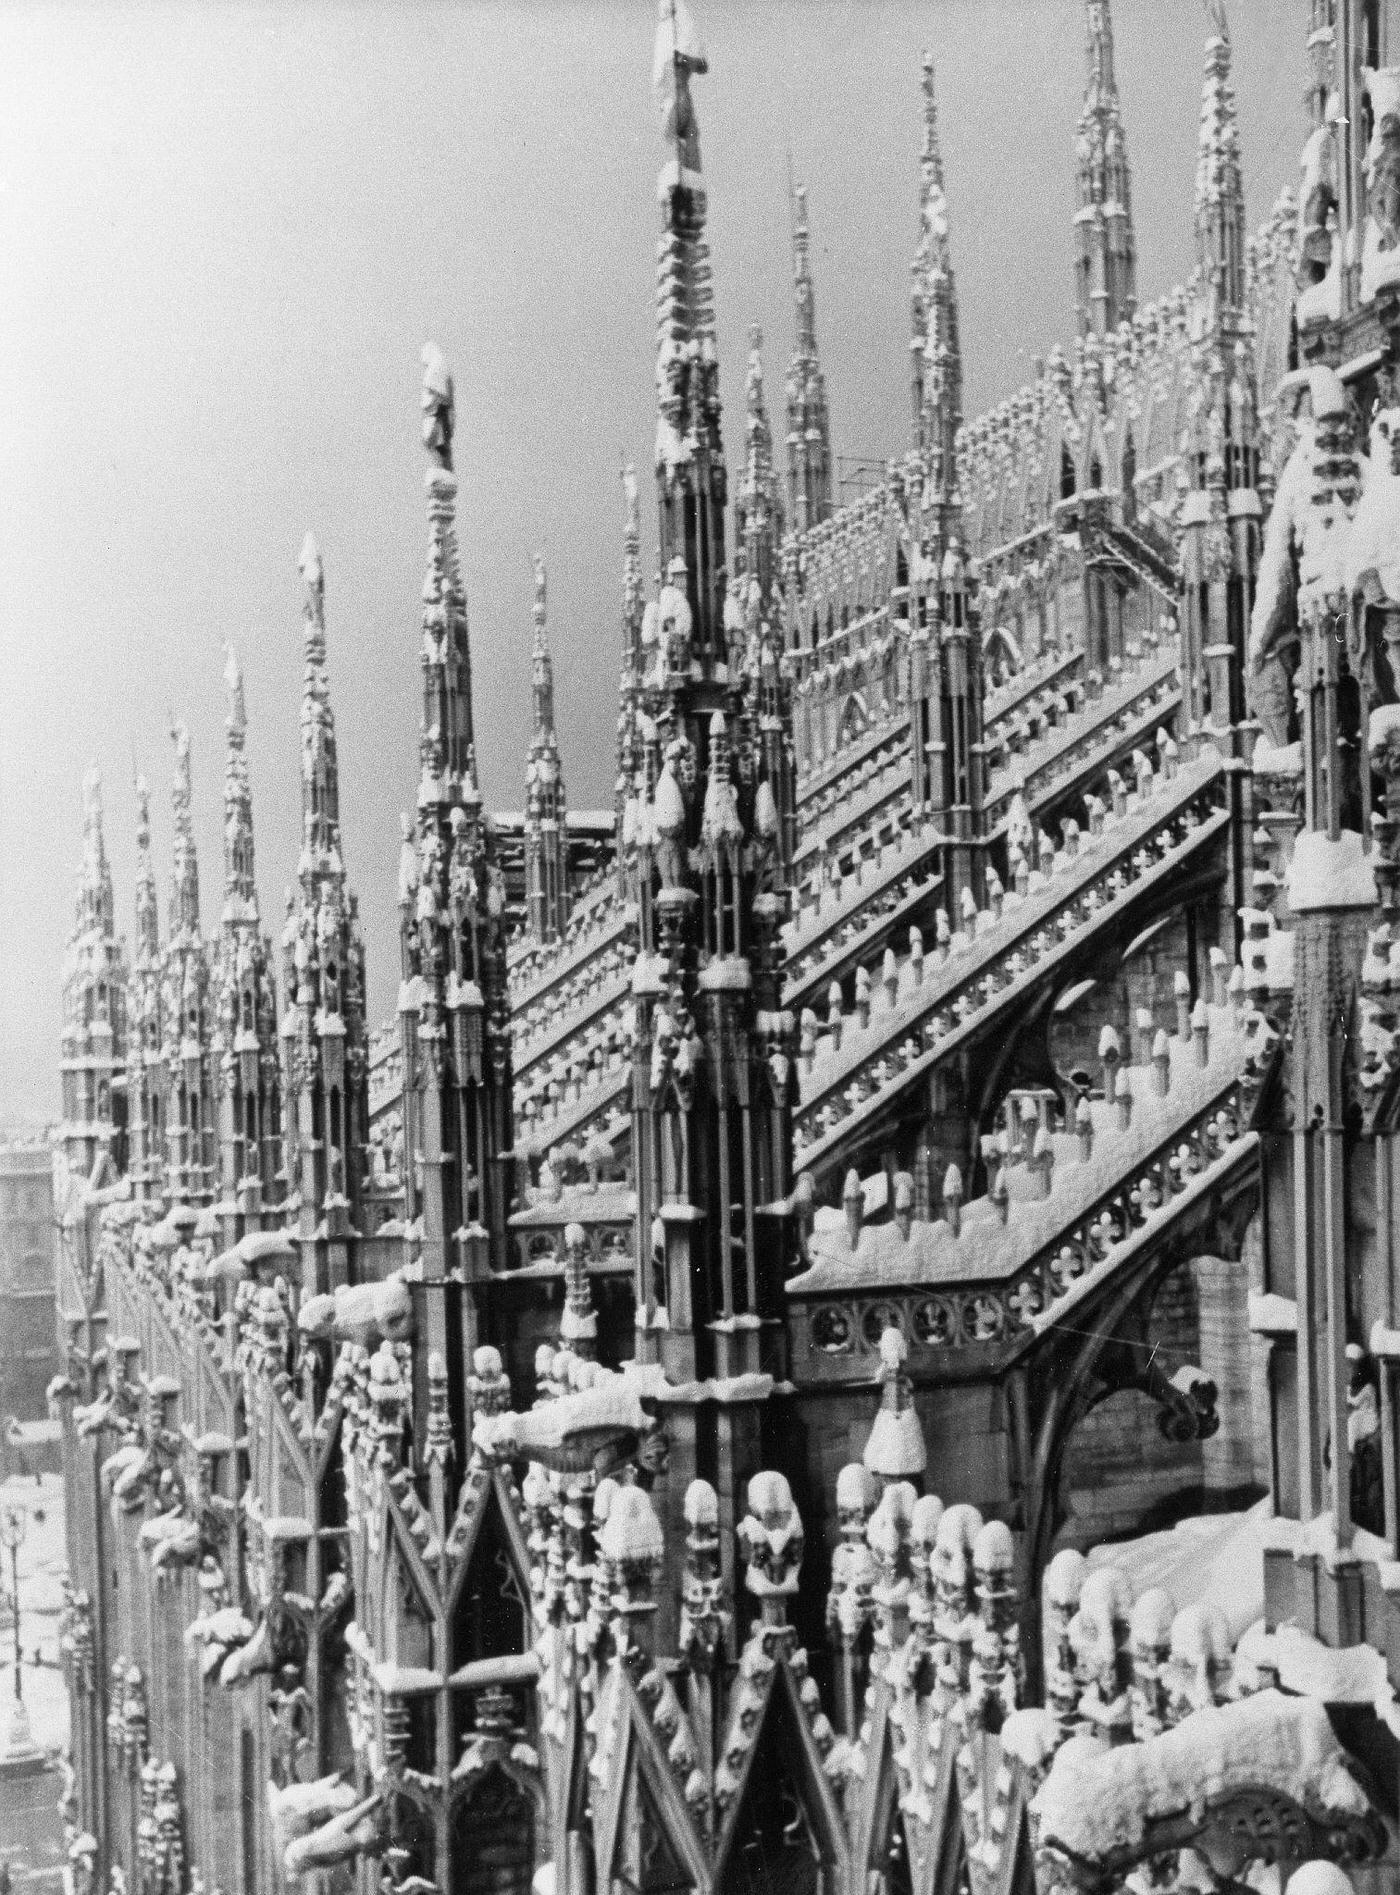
pixel 28 1354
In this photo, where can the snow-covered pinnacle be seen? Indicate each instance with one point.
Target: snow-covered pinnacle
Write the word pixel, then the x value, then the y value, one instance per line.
pixel 689 454
pixel 1106 262
pixel 757 512
pixel 184 888
pixel 95 908
pixel 633 603
pixel 544 787
pixel 240 898
pixel 1220 235
pixel 808 423
pixel 320 783
pixel 147 906
pixel 447 748
pixel 933 253
pixel 804 293
pixel 934 348
pixel 543 664
pixel 1102 88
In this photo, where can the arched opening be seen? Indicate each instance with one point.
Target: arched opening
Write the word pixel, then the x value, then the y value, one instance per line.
pixel 854 719
pixel 493 1837
pixel 779 1839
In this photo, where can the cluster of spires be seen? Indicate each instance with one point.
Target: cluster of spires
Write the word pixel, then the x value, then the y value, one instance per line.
pixel 206 1089
pixel 725 845
pixel 687 435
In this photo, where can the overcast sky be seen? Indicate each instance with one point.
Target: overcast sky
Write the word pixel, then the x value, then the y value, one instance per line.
pixel 225 233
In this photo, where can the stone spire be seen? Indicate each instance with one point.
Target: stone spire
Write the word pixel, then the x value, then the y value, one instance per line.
pixel 453 1013
pixel 758 513
pixel 184 881
pixel 711 1137
pixel 690 469
pixel 808 424
pixel 935 356
pixel 146 1024
pixel 1220 226
pixel 246 1059
pixel 546 853
pixel 628 746
pixel 1222 514
pixel 447 748
pixel 189 1109
pixel 944 651
pixel 320 776
pixel 94 1007
pixel 542 671
pixel 1105 253
pixel 147 903
pixel 240 894
pixel 324 1063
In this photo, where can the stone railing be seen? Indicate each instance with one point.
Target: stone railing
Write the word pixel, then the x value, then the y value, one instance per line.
pixel 1068 1201
pixel 536 969
pixel 1050 668
pixel 1112 717
pixel 565 1008
pixel 590 1098
pixel 835 918
pixel 909 1014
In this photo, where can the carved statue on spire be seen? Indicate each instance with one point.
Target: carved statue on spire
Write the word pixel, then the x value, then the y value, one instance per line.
pixel 310 567
pixel 438 406
pixel 678 54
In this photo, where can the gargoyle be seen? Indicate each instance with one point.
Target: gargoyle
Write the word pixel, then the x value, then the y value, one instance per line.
pixel 171 1539
pixel 299 1809
pixel 246 1660
pixel 357 1831
pixel 220 1633
pixel 366 1313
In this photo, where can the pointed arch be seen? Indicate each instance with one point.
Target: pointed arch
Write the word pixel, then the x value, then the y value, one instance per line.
pixel 488 1594
pixel 1001 654
pixel 784 1822
pixel 854 718
pixel 642 1822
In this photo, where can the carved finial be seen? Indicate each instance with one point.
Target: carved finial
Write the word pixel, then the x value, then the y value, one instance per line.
pixel 771 1540
pixel 437 1449
pixel 703 1616
pixel 895 1449
pixel 632 1543
pixel 578 1326
pixel 488 1385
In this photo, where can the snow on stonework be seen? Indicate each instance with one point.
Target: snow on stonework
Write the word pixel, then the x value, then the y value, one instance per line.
pixel 1274 581
pixel 1380 250
pixel 1096 1802
pixel 486 1603
pixel 1373 547
pixel 1330 872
